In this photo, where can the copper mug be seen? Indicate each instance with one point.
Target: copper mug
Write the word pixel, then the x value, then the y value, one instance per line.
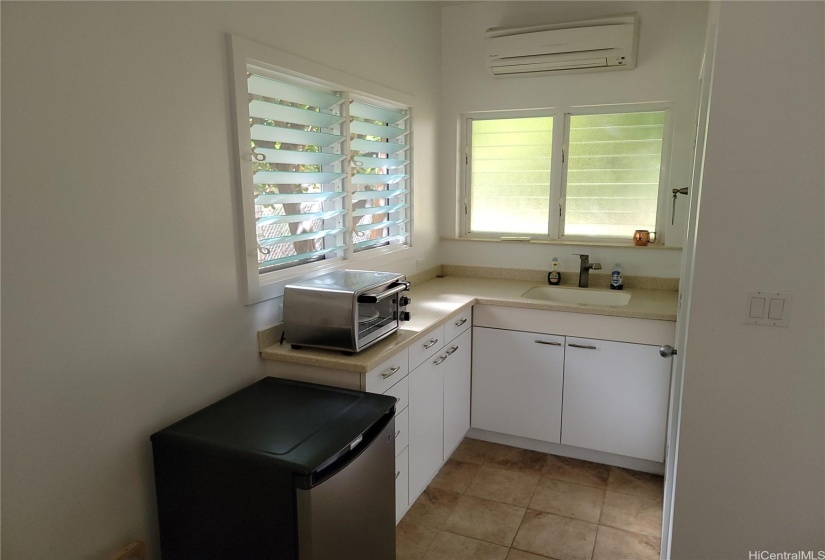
pixel 642 237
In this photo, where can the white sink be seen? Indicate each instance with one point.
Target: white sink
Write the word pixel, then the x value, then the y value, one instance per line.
pixel 581 296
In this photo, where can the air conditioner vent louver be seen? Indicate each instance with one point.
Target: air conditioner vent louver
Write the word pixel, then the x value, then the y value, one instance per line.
pixel 585 46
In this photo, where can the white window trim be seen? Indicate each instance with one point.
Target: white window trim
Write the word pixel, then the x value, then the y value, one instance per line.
pixel 261 287
pixel 558 171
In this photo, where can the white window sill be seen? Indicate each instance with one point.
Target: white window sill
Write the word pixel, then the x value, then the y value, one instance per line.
pixel 580 243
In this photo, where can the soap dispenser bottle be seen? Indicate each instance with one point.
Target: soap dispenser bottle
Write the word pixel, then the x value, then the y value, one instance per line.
pixel 616 280
pixel 554 276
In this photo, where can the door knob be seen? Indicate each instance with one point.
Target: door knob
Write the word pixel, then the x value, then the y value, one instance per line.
pixel 667 351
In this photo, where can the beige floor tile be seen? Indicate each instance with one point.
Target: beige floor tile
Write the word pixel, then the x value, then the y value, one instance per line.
pixel 576 470
pixel 509 487
pixel 432 507
pixel 448 546
pixel 637 483
pixel 521 555
pixel 455 475
pixel 555 536
pixel 485 520
pixel 632 513
pixel 569 500
pixel 615 544
pixel 473 451
pixel 412 540
pixel 516 459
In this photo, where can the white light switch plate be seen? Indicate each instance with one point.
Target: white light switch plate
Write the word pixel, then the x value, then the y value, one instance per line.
pixel 765 307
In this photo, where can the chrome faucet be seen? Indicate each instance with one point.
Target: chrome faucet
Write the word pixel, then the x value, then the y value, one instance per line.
pixel 584 269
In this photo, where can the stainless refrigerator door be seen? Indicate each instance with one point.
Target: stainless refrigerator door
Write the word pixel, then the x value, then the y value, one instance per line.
pixel 351 515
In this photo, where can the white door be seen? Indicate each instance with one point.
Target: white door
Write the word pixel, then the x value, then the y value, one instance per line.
pixel 426 416
pixel 517 383
pixel 686 282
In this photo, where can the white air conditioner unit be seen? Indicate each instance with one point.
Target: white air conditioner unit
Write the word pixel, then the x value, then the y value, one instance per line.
pixel 585 46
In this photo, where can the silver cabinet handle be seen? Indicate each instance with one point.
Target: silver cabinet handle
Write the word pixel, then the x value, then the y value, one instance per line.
pixel 440 359
pixel 397 474
pixel 451 350
pixel 668 350
pixel 461 322
pixel 582 346
pixel 398 433
pixel 548 343
pixel 431 343
pixel 390 373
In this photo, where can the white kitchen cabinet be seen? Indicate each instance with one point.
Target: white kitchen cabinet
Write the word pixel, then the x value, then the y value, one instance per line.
pixel 457 380
pixel 615 398
pixel 517 383
pixel 439 407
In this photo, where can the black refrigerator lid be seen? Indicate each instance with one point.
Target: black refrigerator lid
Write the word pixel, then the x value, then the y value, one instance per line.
pixel 300 425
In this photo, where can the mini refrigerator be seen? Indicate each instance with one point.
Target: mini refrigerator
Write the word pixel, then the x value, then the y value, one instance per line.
pixel 280 470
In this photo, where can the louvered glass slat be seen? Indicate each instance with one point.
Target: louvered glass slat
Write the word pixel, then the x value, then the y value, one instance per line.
pixel 379 225
pixel 370 129
pixel 258 85
pixel 296 198
pixel 379 209
pixel 378 163
pixel 292 218
pixel 373 113
pixel 268 242
pixel 300 257
pixel 294 178
pixel 376 179
pixel 295 157
pixel 371 147
pixel 277 112
pixel 293 136
pixel 379 241
pixel 369 195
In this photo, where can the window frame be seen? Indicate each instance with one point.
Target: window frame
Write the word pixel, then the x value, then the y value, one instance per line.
pixel 558 170
pixel 268 285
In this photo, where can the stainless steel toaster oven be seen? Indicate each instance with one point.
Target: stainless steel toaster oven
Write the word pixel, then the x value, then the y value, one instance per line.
pixel 346 310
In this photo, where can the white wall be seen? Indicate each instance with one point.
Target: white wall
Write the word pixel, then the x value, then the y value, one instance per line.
pixel 751 469
pixel 122 294
pixel 670 50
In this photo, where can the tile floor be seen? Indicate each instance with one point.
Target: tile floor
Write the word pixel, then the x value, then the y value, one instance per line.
pixel 495 502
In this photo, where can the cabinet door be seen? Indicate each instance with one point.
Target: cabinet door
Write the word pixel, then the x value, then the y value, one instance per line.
pixel 615 398
pixel 517 383
pixel 426 417
pixel 456 391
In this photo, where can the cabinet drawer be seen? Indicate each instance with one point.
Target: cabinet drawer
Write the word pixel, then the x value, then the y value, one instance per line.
pixel 402 496
pixel 402 431
pixel 401 391
pixel 457 324
pixel 426 347
pixel 381 378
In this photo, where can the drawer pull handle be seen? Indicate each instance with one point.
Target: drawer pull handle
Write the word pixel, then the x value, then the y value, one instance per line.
pixel 440 359
pixel 582 346
pixel 548 343
pixel 390 373
pixel 398 433
pixel 431 343
pixel 461 322
pixel 451 350
pixel 397 474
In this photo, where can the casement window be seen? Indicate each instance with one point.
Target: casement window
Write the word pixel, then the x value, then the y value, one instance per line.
pixel 594 175
pixel 324 169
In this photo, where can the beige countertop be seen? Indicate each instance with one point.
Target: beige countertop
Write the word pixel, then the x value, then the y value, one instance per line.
pixel 435 300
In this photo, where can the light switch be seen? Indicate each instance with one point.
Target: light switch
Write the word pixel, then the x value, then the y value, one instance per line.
pixel 767 308
pixel 757 310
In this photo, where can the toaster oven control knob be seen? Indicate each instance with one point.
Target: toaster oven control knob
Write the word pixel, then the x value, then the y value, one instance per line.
pixel 404 316
pixel 404 301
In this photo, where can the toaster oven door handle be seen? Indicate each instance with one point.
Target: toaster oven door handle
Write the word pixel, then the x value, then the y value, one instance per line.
pixel 375 298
